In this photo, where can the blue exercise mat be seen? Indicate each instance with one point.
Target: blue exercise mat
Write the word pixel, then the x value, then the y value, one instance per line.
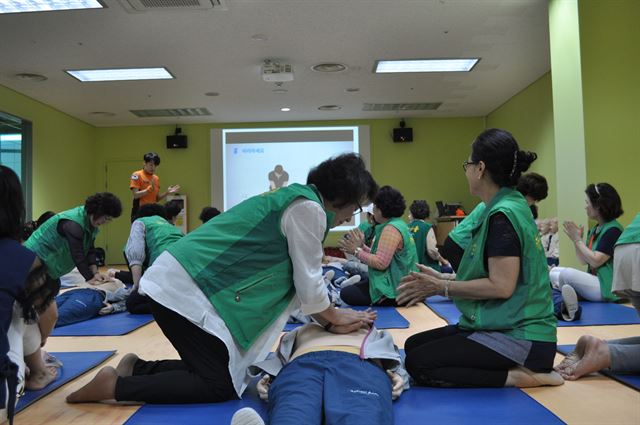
pixel 602 314
pixel 388 318
pixel 593 314
pixel 109 325
pixel 416 406
pixel 632 381
pixel 74 364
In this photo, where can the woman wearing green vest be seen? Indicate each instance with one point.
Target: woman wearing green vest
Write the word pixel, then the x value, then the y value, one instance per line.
pixel 66 240
pixel 532 186
pixel 223 293
pixel 507 331
pixel 622 355
pixel 424 236
pixel 604 206
pixel 391 256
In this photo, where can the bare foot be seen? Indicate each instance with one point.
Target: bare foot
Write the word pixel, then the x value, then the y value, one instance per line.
pixel 125 367
pixel 522 377
pixel 101 387
pixel 37 380
pixel 591 355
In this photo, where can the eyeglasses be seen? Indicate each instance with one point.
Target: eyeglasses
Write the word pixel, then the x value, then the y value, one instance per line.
pixel 465 164
pixel 357 210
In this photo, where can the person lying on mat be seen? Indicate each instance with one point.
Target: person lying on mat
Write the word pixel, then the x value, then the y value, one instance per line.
pixel 87 301
pixel 532 186
pixel 66 240
pixel 603 205
pixel 328 378
pixel 391 256
pixel 25 293
pixel 506 335
pixel 223 293
pixel 621 355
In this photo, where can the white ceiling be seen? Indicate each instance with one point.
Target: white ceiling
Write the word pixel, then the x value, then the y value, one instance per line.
pixel 213 51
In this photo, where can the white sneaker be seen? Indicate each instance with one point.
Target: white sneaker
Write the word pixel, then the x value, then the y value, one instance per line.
pixel 246 416
pixel 570 300
pixel 348 282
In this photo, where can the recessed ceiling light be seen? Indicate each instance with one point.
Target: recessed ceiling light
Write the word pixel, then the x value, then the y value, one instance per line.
pixel 329 108
pixel 102 114
pixel 19 6
pixel 212 93
pixel 329 67
pixel 120 74
pixel 30 77
pixel 425 65
pixel 352 90
pixel 259 37
pixel 280 91
pixel 285 109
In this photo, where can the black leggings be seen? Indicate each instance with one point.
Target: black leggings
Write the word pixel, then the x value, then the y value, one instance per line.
pixel 446 357
pixel 201 376
pixel 358 294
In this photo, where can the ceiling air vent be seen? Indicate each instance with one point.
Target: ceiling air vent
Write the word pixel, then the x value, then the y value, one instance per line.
pixel 175 112
pixel 148 5
pixel 427 106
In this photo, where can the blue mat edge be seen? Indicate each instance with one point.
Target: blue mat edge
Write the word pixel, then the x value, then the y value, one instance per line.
pixel 60 332
pixel 565 349
pixel 108 354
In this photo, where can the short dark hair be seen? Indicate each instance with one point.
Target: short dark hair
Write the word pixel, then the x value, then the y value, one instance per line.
pixel 390 202
pixel 31 226
pixel 606 200
pixel 39 292
pixel 502 156
pixel 172 209
pixel 13 210
pixel 149 210
pixel 152 157
pixel 534 211
pixel 420 209
pixel 343 180
pixel 103 203
pixel 208 213
pixel 44 217
pixel 534 185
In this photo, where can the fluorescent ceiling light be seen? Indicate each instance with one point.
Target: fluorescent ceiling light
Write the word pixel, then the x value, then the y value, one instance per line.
pixel 285 109
pixel 19 6
pixel 124 74
pixel 426 65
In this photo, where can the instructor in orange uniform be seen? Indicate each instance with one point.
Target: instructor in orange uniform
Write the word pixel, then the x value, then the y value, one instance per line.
pixel 145 184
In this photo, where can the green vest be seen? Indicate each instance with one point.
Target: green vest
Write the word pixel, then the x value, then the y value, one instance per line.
pixel 368 230
pixel 528 313
pixel 605 271
pixel 419 230
pixel 631 234
pixel 241 261
pixel 53 249
pixel 384 282
pixel 159 234
pixel 461 234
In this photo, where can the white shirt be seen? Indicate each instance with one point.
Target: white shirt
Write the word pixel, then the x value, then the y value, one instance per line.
pixel 303 223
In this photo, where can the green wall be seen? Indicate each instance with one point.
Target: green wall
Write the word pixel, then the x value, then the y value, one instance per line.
pixel 609 38
pixel 63 153
pixel 429 168
pixel 534 135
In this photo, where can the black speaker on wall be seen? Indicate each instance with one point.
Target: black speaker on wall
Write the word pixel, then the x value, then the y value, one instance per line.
pixel 403 135
pixel 177 141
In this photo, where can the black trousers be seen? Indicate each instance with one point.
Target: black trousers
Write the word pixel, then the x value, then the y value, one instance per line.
pixel 446 357
pixel 200 376
pixel 358 294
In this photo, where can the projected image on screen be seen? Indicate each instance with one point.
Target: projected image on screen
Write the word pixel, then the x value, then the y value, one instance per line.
pixel 255 161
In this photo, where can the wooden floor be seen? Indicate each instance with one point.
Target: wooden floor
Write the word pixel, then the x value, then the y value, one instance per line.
pixel 591 400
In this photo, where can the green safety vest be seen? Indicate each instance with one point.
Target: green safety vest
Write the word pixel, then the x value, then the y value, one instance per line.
pixel 419 230
pixel 461 234
pixel 528 313
pixel 631 234
pixel 241 261
pixel 605 271
pixel 53 249
pixel 384 282
pixel 159 234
